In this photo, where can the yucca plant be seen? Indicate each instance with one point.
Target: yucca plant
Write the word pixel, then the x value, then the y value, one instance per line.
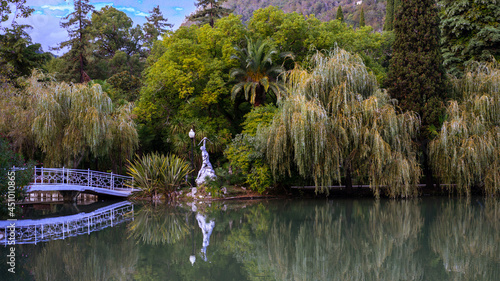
pixel 155 173
pixel 335 122
pixel 467 150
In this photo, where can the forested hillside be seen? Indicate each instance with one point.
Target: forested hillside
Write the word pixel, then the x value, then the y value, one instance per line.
pixel 324 10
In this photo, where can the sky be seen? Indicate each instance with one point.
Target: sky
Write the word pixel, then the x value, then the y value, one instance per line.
pixel 48 14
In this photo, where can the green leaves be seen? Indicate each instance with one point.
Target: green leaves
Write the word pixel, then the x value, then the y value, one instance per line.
pixel 467 149
pixel 335 118
pixel 75 121
pixel 155 173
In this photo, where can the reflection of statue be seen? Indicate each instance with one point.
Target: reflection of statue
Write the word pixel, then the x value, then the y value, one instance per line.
pixel 206 167
pixel 206 229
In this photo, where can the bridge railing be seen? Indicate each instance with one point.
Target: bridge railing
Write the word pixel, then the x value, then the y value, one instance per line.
pixel 51 176
pixel 42 230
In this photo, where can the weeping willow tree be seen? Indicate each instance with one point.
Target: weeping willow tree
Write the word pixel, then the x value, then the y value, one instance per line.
pixel 467 149
pixel 334 121
pixel 75 122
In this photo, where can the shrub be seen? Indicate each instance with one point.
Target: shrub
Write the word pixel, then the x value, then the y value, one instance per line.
pixel 155 173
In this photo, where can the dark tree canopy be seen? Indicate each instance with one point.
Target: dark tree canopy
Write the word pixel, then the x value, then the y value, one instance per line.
pixel 416 76
pixel 18 51
pixel 77 24
pixel 470 32
pixel 155 26
pixel 209 11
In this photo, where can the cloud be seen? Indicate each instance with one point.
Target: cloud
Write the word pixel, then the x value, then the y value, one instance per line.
pixel 179 9
pixel 58 7
pixel 133 11
pixel 46 31
pixel 98 6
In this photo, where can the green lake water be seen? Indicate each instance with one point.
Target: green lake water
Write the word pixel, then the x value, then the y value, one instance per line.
pixel 339 239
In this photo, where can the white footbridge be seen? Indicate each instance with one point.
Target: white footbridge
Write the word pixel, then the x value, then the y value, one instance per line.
pixel 82 181
pixel 42 230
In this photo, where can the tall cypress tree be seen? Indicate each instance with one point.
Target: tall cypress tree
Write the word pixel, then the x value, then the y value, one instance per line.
pixel 362 18
pixel 391 10
pixel 389 15
pixel 208 11
pixel 77 24
pixel 340 14
pixel 416 75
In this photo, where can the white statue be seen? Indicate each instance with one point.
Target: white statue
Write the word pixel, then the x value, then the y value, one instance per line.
pixel 206 229
pixel 206 167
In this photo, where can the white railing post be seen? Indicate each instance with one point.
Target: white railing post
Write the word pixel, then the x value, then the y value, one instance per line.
pixel 63 175
pixel 89 175
pixel 112 182
pixel 34 179
pixel 42 175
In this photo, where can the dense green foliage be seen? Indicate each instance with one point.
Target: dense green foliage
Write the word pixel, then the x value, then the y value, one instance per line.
pixel 19 53
pixel 416 75
pixel 470 32
pixel 246 154
pixel 19 177
pixel 336 121
pixel 223 77
pixel 68 123
pixel 467 149
pixel 155 173
pixel 256 72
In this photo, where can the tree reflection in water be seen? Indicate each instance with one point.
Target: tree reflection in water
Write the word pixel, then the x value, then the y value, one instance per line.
pixel 104 255
pixel 466 236
pixel 163 224
pixel 377 243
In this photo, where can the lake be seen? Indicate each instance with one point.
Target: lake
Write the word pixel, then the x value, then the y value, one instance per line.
pixel 339 239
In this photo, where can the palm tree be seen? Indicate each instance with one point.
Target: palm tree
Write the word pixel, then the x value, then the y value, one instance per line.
pixel 256 71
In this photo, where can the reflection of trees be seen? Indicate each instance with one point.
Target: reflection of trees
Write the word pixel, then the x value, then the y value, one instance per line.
pixel 105 255
pixel 380 245
pixel 467 237
pixel 159 225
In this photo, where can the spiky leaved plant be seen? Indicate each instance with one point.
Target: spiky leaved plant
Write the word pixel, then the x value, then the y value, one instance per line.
pixel 467 149
pixel 155 173
pixel 336 119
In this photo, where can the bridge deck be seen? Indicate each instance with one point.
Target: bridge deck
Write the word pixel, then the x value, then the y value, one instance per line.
pixel 86 181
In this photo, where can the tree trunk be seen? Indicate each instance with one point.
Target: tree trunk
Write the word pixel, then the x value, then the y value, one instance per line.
pixel 348 177
pixel 259 96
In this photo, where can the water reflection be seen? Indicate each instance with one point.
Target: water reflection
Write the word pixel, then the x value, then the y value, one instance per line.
pixel 378 243
pixel 161 224
pixel 426 239
pixel 33 231
pixel 106 255
pixel 466 237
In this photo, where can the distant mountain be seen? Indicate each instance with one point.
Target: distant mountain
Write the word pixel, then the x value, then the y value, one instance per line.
pixel 323 9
